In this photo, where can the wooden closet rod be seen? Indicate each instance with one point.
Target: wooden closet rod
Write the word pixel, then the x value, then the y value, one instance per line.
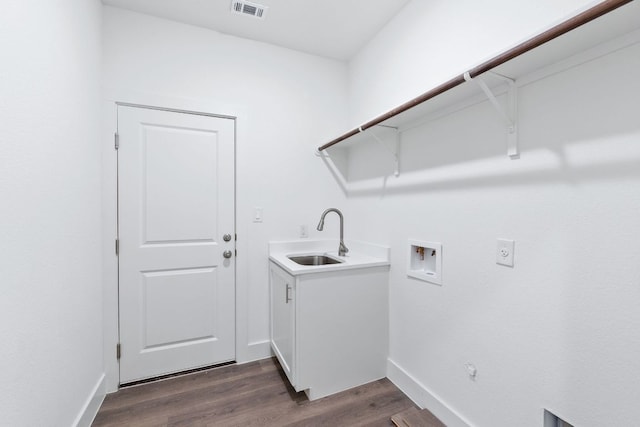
pixel 560 29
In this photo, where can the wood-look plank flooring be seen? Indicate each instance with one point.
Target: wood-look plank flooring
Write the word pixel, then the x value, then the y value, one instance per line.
pixel 414 417
pixel 253 394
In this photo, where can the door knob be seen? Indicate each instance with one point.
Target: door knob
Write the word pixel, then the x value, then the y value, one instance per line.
pixel 227 254
pixel 226 237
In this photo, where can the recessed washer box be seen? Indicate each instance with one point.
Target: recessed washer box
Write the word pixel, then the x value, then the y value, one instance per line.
pixel 425 261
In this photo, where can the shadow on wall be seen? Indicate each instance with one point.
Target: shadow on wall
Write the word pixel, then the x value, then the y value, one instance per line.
pixel 576 125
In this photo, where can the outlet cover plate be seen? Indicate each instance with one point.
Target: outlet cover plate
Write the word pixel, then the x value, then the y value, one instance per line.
pixel 504 252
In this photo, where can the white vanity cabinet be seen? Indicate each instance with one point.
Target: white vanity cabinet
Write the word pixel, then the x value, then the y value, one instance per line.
pixel 329 329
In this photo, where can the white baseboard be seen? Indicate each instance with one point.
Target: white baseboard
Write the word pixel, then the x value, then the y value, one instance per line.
pixel 423 397
pixel 92 405
pixel 256 351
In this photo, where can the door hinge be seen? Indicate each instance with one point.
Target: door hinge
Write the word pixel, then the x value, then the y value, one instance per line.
pixel 118 351
pixel 235 236
pixel 116 140
pixel 236 253
pixel 117 247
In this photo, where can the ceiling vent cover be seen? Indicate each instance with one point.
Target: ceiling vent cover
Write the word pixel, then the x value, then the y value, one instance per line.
pixel 247 8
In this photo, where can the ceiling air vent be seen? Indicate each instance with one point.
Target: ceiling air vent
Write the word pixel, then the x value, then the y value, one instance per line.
pixel 248 8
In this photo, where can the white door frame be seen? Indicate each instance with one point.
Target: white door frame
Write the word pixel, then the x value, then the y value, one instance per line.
pixel 244 351
pixel 188 254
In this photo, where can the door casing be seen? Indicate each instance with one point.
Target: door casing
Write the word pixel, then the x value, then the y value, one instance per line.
pixel 245 351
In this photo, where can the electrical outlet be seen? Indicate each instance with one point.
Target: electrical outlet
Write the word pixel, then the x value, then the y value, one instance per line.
pixel 504 252
pixel 304 232
pixel 472 371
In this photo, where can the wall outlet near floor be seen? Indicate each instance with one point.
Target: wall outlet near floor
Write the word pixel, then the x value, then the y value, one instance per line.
pixel 472 371
pixel 304 231
pixel 504 252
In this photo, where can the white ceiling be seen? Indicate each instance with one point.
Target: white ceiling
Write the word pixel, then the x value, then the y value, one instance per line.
pixel 331 28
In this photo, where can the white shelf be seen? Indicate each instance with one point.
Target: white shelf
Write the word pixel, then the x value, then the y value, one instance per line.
pixel 562 52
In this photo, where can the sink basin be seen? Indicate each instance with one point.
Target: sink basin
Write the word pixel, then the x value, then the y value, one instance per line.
pixel 313 259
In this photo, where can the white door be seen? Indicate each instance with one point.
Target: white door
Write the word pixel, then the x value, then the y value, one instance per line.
pixel 176 203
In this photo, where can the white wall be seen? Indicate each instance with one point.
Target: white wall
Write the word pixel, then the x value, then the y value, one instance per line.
pixel 50 273
pixel 560 329
pixel 429 42
pixel 287 103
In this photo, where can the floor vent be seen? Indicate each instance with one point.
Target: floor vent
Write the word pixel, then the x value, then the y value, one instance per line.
pixel 248 8
pixel 552 420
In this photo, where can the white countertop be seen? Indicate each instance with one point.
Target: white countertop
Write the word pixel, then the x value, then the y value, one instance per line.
pixel 360 255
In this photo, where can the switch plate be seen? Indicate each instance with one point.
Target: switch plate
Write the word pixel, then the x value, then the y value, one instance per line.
pixel 257 215
pixel 504 252
pixel 304 232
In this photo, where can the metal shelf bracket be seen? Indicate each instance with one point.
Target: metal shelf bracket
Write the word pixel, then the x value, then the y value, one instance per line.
pixel 395 152
pixel 510 117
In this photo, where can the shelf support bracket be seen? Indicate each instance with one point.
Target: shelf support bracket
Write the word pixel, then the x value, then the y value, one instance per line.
pixel 510 117
pixel 395 152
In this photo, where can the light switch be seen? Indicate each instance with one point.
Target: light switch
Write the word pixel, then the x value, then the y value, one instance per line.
pixel 257 215
pixel 504 252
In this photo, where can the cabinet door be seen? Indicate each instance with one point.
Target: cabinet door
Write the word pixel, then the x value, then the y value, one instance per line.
pixel 283 319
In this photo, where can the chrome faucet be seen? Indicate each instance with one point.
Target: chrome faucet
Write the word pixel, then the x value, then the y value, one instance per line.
pixel 342 249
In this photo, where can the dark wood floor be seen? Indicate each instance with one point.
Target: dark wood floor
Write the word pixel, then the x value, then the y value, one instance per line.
pixel 254 394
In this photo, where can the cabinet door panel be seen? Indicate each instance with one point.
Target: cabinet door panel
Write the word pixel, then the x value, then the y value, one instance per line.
pixel 283 319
